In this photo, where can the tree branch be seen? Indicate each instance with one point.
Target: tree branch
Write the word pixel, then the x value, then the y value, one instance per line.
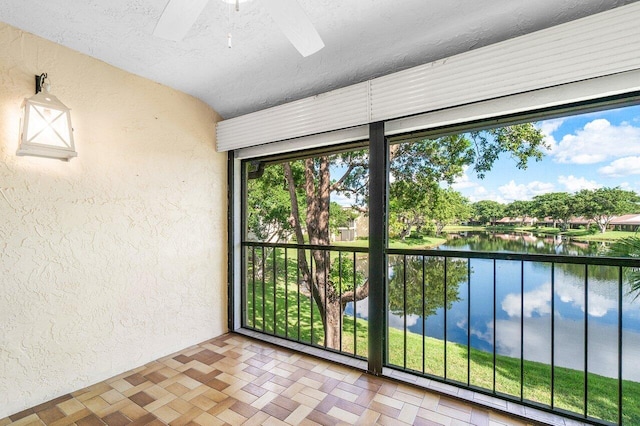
pixel 358 294
pixel 338 184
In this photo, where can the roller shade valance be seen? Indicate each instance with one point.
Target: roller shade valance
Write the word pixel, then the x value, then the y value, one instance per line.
pixel 580 52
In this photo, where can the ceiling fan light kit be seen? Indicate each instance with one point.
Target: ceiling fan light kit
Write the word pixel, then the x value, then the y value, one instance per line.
pixel 179 16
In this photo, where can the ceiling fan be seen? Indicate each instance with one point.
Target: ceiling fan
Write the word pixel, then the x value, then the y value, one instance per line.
pixel 179 16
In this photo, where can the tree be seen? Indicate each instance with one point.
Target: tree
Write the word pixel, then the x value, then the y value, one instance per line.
pixel 340 217
pixel 519 208
pixel 268 207
pixel 603 204
pixel 405 297
pixel 521 142
pixel 422 163
pixel 316 188
pixel 409 206
pixel 448 207
pixel 629 247
pixel 487 211
pixel 416 170
pixel 559 206
pixel 416 206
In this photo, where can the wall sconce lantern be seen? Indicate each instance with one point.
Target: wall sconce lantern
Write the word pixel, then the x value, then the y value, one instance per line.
pixel 46 125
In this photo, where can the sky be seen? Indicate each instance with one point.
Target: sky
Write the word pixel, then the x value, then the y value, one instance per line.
pixel 586 151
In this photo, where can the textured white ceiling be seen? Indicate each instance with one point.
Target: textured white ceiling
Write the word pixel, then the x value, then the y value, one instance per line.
pixel 363 39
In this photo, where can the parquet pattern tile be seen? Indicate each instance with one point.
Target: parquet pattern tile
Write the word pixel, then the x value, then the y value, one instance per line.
pixel 233 380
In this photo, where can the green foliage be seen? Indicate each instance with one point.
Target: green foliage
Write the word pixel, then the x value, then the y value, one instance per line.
pixel 519 208
pixel 428 161
pixel 522 142
pixel 340 217
pixel 353 179
pixel 603 204
pixel 448 207
pixel 417 169
pixel 408 294
pixel 344 274
pixel 629 247
pixel 409 205
pixel 487 211
pixel 268 206
pixel 559 206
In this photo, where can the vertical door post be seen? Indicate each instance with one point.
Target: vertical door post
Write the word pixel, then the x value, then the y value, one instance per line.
pixel 378 176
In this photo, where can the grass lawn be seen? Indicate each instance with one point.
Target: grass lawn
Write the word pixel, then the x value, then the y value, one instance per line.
pixel 462 228
pixel 295 317
pixel 431 242
pixel 409 243
pixel 576 234
pixel 607 236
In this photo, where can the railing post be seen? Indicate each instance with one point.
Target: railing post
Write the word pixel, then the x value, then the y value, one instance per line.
pixel 378 167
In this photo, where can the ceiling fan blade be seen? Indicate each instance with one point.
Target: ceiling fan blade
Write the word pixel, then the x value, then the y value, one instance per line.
pixel 296 25
pixel 178 18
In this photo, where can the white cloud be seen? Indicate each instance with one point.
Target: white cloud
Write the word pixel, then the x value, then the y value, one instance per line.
pixel 598 141
pixel 479 193
pixel 512 191
pixel 487 335
pixel 569 334
pixel 569 339
pixel 535 301
pixel 547 128
pixel 575 184
pixel 469 188
pixel 342 199
pixel 464 182
pixel 397 321
pixel 622 167
pixel 599 304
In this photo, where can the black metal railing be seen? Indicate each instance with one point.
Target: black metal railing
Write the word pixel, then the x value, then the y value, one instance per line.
pixel 555 332
pixel 531 328
pixel 278 294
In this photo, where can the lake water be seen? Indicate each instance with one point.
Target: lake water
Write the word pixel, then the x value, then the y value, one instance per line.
pixel 534 316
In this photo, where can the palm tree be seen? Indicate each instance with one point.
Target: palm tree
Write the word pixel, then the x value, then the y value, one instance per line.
pixel 629 247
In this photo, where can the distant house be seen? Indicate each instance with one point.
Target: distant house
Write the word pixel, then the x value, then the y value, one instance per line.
pixel 627 222
pixel 547 222
pixel 517 221
pixel 577 222
pixel 347 233
pixel 362 225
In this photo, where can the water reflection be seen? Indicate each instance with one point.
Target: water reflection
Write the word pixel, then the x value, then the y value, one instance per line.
pixel 523 303
pixel 524 242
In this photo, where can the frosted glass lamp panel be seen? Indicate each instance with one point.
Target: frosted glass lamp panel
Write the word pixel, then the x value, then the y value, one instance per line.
pixel 46 130
pixel 48 127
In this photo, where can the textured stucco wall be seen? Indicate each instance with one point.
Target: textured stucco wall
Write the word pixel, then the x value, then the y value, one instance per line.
pixel 117 257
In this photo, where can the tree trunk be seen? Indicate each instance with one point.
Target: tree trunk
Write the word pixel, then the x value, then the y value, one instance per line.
pixel 406 231
pixel 333 313
pixel 297 226
pixel 317 188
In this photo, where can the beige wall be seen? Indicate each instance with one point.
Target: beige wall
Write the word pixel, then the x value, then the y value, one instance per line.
pixel 117 257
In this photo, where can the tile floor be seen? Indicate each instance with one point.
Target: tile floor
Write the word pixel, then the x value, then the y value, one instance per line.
pixel 236 380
